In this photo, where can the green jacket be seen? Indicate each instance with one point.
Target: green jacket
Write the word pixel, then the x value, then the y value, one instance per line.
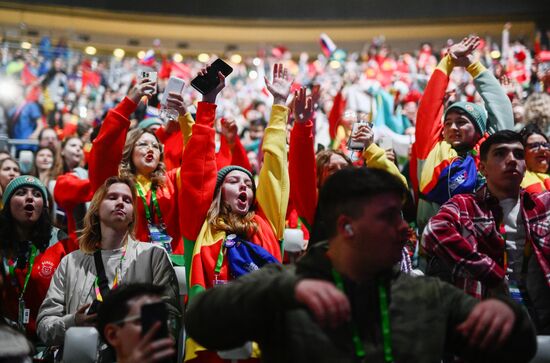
pixel 424 313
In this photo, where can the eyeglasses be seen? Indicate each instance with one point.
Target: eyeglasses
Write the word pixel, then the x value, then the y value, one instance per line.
pixel 537 145
pixel 145 145
pixel 136 319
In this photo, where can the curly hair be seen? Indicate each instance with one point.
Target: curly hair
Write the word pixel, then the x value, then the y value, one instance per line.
pixel 128 169
pixel 41 231
pixel 537 110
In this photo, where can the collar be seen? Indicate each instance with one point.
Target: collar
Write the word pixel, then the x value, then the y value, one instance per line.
pixel 144 183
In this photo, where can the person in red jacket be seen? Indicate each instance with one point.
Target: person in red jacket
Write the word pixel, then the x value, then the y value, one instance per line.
pixel 71 190
pixel 140 155
pixel 230 226
pixel 31 249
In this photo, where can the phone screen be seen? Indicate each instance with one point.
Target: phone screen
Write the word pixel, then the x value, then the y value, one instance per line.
pixel 205 84
pixel 150 314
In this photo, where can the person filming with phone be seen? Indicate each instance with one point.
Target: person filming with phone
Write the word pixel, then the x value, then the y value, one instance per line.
pixel 122 323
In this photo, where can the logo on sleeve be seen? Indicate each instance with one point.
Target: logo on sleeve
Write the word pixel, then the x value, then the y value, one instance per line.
pixel 46 269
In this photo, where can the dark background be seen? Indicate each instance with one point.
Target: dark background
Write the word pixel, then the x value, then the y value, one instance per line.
pixel 371 10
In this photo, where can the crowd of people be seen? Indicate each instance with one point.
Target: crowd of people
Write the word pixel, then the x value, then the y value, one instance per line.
pixel 360 171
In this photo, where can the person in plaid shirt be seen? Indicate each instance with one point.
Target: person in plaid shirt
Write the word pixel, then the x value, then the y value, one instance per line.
pixel 497 241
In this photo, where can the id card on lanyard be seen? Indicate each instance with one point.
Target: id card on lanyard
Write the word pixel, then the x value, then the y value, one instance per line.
pixel 157 232
pixel 23 313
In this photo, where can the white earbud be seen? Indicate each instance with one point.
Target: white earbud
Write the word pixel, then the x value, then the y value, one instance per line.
pixel 348 229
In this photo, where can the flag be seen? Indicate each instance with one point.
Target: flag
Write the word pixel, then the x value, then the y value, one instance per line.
pixel 327 45
pixel 148 59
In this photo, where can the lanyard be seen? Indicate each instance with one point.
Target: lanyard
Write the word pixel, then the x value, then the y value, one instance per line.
pixel 146 206
pixel 34 253
pixel 384 315
pixel 98 294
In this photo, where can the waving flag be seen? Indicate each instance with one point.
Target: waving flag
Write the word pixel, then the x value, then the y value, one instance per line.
pixel 327 45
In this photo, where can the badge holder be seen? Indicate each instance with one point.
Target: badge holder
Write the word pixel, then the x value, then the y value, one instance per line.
pixel 23 314
pixel 159 237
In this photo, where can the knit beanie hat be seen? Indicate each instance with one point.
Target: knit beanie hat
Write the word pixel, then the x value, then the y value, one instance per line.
pixel 24 181
pixel 150 122
pixel 475 113
pixel 222 173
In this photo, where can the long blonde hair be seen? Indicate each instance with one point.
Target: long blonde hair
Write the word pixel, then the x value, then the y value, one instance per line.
pixel 91 233
pixel 128 169
pixel 221 218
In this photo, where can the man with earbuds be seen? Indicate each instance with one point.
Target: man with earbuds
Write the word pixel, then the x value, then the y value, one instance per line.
pixel 497 241
pixel 346 301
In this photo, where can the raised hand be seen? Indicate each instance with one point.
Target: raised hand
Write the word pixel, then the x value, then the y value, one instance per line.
pixel 229 130
pixel 175 101
pixel 461 53
pixel 143 87
pixel 303 106
pixel 280 87
pixel 363 134
pixel 210 97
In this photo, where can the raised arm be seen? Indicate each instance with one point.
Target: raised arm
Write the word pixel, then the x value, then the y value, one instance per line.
pixel 106 153
pixel 198 172
pixel 274 186
pixel 430 109
pixel 302 164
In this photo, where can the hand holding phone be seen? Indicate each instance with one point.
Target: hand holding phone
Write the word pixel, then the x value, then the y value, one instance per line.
pixel 174 85
pixel 152 313
pixel 361 136
pixel 152 77
pixel 144 86
pixel 207 82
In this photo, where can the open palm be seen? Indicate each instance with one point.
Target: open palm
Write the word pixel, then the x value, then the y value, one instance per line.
pixel 280 87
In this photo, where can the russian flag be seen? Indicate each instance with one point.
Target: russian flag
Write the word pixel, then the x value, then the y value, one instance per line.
pixel 149 59
pixel 327 45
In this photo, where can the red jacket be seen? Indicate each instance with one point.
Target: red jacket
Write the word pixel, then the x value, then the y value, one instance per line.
pixel 70 190
pixel 43 269
pixel 106 156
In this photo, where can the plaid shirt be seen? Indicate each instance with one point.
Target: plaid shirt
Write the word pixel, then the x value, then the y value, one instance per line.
pixel 464 234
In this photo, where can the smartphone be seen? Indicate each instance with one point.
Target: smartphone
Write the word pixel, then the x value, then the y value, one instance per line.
pixel 205 84
pixel 385 142
pixel 355 145
pixel 175 85
pixel 150 314
pixel 94 307
pixel 152 76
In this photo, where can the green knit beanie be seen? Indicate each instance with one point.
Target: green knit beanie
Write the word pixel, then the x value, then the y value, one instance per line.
pixel 222 173
pixel 150 122
pixel 24 181
pixel 474 112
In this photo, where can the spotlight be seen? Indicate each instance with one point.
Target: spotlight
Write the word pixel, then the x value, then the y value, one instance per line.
pixel 177 57
pixel 203 57
pixel 119 53
pixel 90 50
